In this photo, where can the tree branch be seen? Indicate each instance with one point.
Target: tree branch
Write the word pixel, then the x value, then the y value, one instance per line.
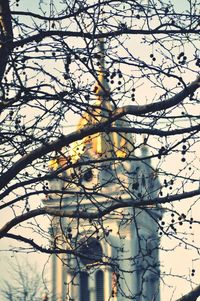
pixel 95 215
pixel 36 246
pixel 155 132
pixel 6 35
pixel 93 129
pixel 191 296
pixel 55 250
pixel 44 34
pixel 160 105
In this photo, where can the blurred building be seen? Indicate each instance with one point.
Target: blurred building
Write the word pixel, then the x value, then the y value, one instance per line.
pixel 116 255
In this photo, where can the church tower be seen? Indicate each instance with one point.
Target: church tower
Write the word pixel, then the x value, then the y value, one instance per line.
pixel 112 257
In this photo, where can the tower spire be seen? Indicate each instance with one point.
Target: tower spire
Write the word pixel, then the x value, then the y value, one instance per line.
pixel 104 142
pixel 102 84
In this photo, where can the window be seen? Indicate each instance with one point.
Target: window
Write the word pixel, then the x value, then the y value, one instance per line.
pixel 91 250
pixel 88 175
pixel 99 282
pixel 84 291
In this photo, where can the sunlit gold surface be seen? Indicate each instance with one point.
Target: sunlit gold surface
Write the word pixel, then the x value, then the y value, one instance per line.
pixel 105 144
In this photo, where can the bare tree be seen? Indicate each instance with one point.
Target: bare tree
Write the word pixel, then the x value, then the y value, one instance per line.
pixel 53 57
pixel 24 284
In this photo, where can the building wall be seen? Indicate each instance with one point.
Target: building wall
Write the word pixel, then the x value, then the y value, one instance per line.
pixel 138 266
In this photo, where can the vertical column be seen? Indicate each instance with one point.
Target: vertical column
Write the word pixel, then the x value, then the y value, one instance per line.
pixel 92 288
pixel 57 279
pixel 54 280
pixel 64 278
pixel 58 268
pixel 135 253
pixel 73 286
pixel 59 276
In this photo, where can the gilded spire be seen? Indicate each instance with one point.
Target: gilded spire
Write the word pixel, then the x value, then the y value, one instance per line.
pixel 105 145
pixel 102 84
